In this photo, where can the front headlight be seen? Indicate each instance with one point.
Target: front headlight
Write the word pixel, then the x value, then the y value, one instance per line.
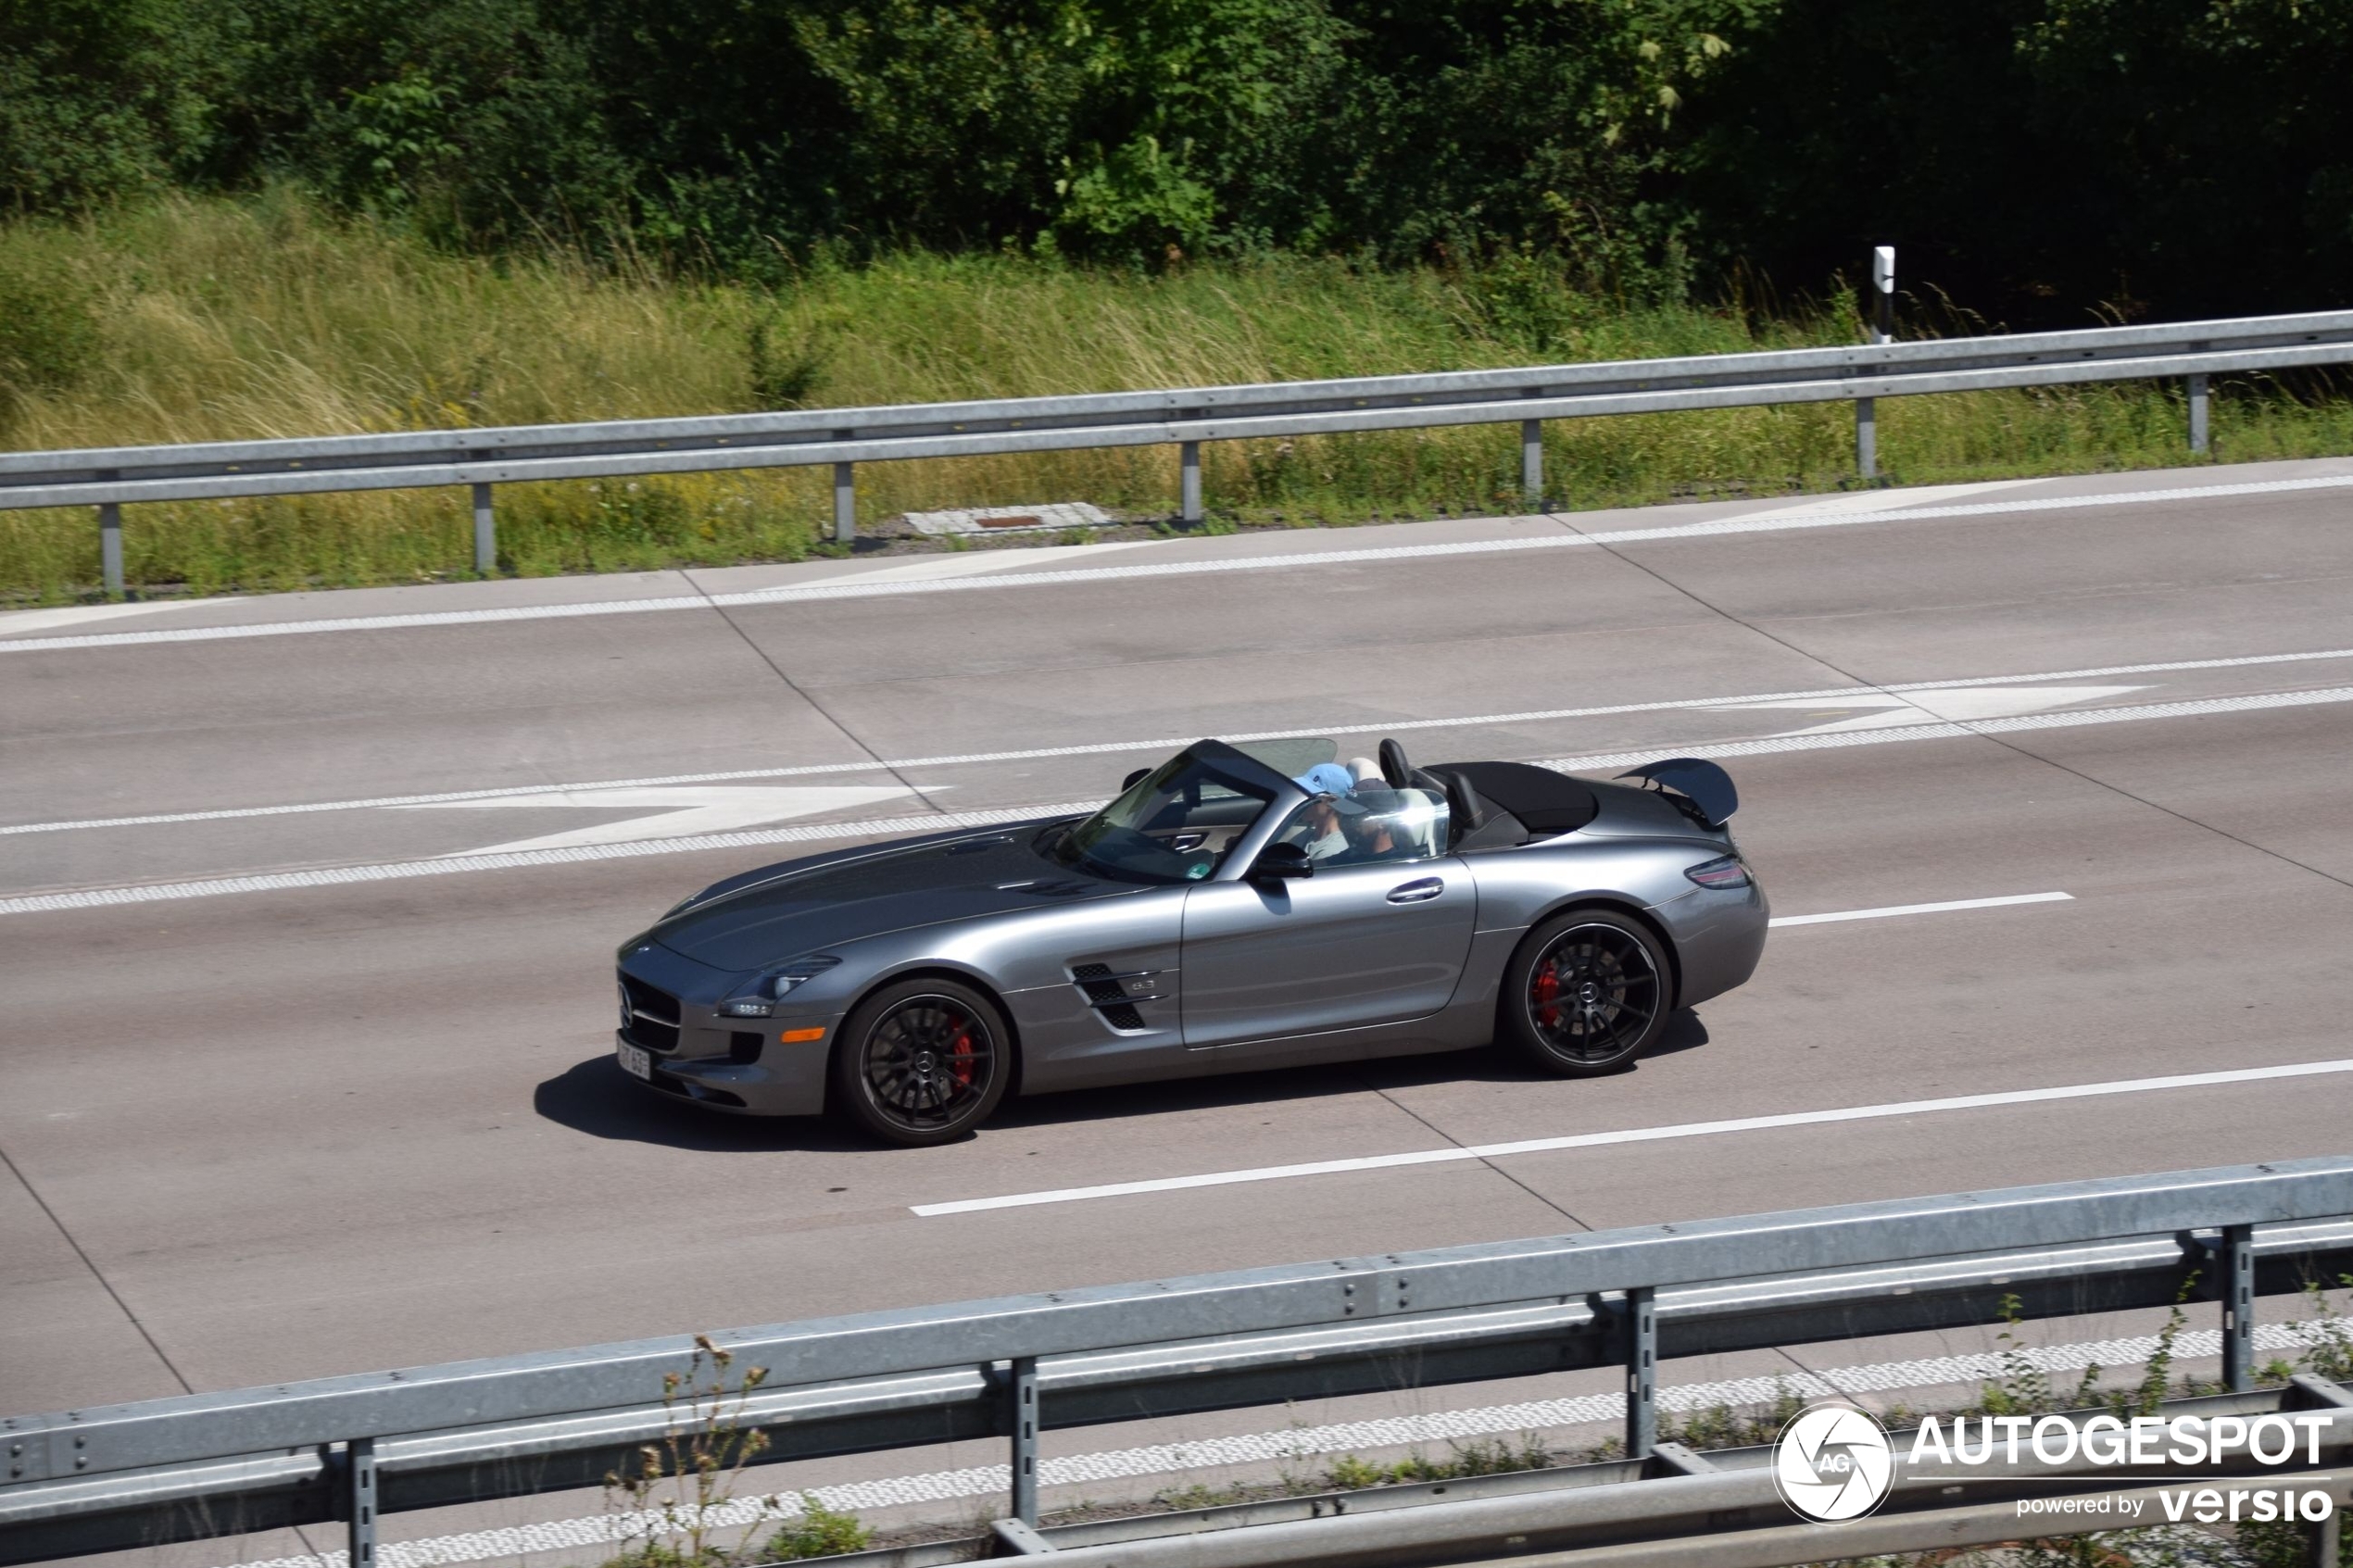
pixel 759 999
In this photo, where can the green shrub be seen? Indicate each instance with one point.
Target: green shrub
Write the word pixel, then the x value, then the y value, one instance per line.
pixel 819 1532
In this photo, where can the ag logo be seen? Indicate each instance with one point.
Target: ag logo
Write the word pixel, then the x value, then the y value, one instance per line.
pixel 1833 1461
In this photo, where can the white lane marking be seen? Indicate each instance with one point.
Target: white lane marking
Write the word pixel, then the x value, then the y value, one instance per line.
pixel 272 881
pixel 1459 1154
pixel 1979 728
pixel 396 870
pixel 1949 905
pixel 1351 725
pixel 16 623
pixel 682 812
pixel 1952 703
pixel 971 563
pixel 849 588
pixel 1294 1443
pixel 1876 500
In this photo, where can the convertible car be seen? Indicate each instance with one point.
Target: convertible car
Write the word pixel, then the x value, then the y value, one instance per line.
pixel 1233 908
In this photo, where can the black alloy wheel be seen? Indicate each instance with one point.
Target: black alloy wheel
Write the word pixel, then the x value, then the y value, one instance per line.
pixel 920 1062
pixel 1587 993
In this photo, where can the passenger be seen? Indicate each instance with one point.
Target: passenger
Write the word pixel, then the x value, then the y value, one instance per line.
pixel 1382 834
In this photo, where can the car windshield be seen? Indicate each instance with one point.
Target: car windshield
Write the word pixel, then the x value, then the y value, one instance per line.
pixel 1177 823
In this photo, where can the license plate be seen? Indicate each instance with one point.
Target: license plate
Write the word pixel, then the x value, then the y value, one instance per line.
pixel 634 1060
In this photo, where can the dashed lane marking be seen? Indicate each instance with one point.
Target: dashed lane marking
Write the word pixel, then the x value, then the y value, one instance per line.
pixel 1458 1154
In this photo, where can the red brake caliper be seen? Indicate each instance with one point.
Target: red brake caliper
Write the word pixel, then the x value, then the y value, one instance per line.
pixel 1546 993
pixel 963 1053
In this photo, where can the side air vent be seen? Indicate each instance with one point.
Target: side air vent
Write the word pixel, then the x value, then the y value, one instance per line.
pixel 1114 995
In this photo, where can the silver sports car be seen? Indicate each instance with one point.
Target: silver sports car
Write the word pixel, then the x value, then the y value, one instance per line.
pixel 1235 908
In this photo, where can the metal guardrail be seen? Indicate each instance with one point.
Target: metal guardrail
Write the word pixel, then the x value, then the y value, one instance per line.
pixel 353 1448
pixel 1185 418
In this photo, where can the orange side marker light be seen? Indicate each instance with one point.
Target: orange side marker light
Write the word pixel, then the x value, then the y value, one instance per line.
pixel 797 1037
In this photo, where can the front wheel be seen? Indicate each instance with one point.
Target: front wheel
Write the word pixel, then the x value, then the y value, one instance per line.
pixel 1586 993
pixel 920 1062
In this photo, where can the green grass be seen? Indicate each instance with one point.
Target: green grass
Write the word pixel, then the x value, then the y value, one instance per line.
pixel 184 318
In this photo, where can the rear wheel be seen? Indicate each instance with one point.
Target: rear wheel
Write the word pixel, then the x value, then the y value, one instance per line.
pixel 1586 993
pixel 922 1061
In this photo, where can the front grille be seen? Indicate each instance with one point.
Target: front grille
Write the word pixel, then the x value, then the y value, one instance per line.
pixel 650 1016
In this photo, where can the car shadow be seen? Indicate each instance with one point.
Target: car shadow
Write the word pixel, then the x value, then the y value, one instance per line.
pixel 595 1097
pixel 1488 1064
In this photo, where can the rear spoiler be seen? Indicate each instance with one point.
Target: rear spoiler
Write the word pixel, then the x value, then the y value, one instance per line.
pixel 1702 782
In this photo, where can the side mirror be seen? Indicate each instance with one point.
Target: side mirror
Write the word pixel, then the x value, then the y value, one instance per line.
pixel 1281 862
pixel 1132 780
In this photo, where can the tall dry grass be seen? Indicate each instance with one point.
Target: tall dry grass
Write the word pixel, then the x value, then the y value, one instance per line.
pixel 185 319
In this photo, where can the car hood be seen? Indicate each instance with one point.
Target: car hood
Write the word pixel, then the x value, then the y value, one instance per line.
pixel 791 912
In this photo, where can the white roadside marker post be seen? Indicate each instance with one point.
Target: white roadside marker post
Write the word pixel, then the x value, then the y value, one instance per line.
pixel 845 497
pixel 485 532
pixel 1882 330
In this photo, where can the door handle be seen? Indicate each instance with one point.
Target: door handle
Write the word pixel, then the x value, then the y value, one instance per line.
pixel 1420 892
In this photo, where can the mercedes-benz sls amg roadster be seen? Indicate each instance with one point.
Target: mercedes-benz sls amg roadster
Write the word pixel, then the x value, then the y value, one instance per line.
pixel 1233 908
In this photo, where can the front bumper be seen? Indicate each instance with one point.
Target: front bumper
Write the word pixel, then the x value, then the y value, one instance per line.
pixel 670 1013
pixel 788 1080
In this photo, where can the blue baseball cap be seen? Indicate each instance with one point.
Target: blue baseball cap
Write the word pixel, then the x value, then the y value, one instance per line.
pixel 1327 778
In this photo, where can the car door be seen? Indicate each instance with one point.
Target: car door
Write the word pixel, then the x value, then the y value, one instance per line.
pixel 1348 947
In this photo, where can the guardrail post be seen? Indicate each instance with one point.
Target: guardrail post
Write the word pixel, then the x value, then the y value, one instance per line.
pixel 1021 1401
pixel 1866 438
pixel 1189 489
pixel 110 547
pixel 485 532
pixel 1642 1372
pixel 359 1500
pixel 845 502
pixel 2235 1254
pixel 2199 440
pixel 1531 462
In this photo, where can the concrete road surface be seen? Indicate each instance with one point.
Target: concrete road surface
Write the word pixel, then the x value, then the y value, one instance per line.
pixel 308 904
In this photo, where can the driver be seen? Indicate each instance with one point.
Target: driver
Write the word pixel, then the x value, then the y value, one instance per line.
pixel 1318 830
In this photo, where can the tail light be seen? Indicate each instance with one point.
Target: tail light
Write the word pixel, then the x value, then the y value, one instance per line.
pixel 1725 872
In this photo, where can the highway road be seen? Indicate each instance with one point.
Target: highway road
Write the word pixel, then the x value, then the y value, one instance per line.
pixel 307 903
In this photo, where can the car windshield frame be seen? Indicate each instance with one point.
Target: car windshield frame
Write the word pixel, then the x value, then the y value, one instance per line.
pixel 1113 843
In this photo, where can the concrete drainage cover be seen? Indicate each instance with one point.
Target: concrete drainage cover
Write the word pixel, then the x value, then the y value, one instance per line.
pixel 1011 520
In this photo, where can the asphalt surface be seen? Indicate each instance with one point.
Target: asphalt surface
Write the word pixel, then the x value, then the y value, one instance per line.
pixel 304 1125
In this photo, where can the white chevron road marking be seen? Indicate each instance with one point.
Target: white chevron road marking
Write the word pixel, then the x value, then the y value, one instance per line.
pixel 1930 705
pixel 1351 725
pixel 680 811
pixel 267 881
